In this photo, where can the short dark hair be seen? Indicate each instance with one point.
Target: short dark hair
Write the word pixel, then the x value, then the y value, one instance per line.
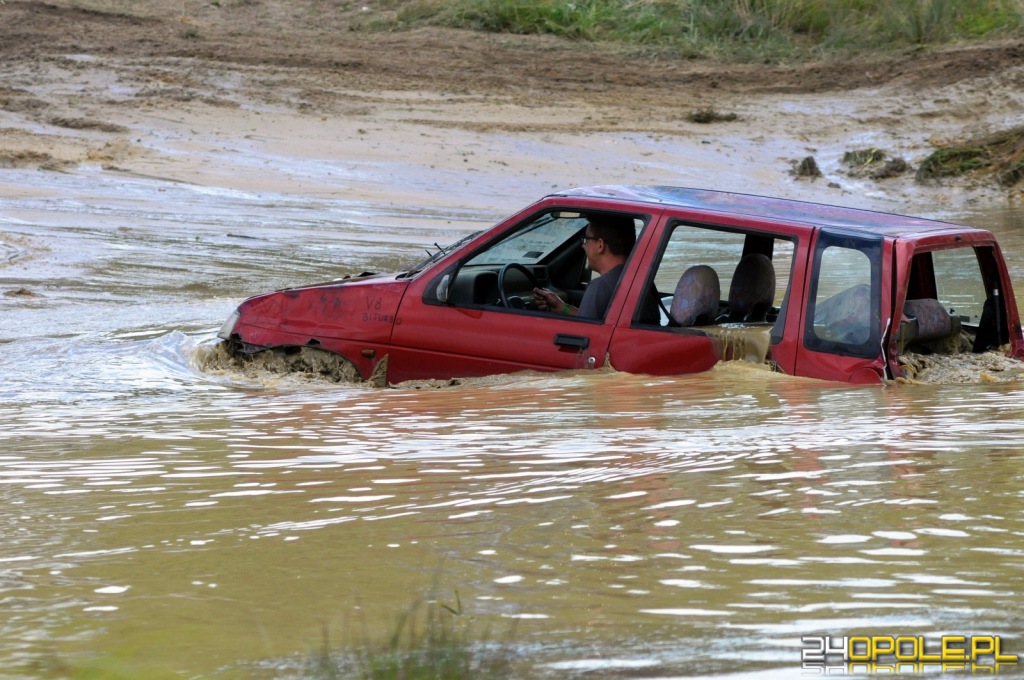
pixel 618 231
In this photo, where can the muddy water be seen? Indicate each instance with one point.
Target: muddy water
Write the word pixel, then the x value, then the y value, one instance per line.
pixel 163 521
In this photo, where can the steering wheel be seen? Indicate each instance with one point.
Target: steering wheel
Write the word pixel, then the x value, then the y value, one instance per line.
pixel 501 282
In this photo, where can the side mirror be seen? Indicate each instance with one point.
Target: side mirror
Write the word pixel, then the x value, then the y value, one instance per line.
pixel 442 289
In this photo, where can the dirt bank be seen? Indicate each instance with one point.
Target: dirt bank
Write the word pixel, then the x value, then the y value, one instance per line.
pixel 172 88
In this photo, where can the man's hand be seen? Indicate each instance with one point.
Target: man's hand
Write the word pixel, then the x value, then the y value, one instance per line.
pixel 547 301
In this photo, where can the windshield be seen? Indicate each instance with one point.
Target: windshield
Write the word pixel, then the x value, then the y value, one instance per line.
pixel 533 243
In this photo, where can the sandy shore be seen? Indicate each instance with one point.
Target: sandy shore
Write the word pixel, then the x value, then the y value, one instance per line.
pixel 228 98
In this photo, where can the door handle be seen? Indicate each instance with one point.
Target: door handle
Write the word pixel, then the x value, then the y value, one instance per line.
pixel 577 341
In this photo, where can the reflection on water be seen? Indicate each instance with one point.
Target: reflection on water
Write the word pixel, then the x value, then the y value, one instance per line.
pixel 162 519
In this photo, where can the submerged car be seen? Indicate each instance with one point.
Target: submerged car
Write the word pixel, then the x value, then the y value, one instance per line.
pixel 813 290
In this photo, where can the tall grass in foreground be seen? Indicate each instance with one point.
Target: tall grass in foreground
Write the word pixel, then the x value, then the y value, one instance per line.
pixel 744 29
pixel 433 641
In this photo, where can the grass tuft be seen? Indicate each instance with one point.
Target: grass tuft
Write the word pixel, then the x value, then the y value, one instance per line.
pixel 431 640
pixel 710 115
pixel 952 161
pixel 1001 151
pixel 863 157
pixel 807 167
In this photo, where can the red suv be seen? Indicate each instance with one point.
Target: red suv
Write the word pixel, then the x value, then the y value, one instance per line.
pixel 813 290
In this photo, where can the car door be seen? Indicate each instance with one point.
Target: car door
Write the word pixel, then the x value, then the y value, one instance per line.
pixel 846 310
pixel 431 341
pixel 687 242
pixel 449 326
pixel 655 349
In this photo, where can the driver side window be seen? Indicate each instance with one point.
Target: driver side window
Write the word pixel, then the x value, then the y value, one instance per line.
pixel 543 252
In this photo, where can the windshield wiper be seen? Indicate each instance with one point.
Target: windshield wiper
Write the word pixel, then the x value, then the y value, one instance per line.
pixel 441 252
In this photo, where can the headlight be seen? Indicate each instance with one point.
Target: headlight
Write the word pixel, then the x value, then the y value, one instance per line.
pixel 229 326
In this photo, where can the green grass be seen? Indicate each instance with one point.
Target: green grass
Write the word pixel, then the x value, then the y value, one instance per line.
pixel 1013 174
pixel 1001 151
pixel 751 30
pixel 432 640
pixel 953 161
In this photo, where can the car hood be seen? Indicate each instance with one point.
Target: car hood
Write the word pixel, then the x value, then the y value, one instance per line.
pixel 359 308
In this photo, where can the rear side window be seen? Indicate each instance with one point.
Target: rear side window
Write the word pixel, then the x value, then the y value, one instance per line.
pixel 958 283
pixel 719 251
pixel 843 315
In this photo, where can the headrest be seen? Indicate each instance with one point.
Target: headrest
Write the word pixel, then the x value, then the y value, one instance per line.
pixel 696 298
pixel 933 321
pixel 752 291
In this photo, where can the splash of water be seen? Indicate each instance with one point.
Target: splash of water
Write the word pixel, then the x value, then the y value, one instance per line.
pixel 305 362
pixel 993 366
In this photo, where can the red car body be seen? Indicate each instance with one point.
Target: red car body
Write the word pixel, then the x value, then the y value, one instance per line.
pixel 848 291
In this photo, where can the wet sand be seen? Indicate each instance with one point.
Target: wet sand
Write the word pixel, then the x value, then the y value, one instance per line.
pixel 279 97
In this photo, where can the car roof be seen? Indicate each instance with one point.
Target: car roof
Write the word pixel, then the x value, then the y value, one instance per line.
pixel 778 209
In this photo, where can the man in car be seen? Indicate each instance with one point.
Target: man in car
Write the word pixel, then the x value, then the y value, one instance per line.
pixel 607 241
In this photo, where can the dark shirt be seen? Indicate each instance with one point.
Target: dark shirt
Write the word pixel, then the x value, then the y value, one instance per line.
pixel 599 293
pixel 598 296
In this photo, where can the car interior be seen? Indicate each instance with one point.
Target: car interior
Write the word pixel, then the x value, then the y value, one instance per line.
pixel 698 263
pixel 544 252
pixel 953 303
pixel 727 284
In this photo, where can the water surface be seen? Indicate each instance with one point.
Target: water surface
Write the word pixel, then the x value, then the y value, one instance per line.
pixel 162 519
